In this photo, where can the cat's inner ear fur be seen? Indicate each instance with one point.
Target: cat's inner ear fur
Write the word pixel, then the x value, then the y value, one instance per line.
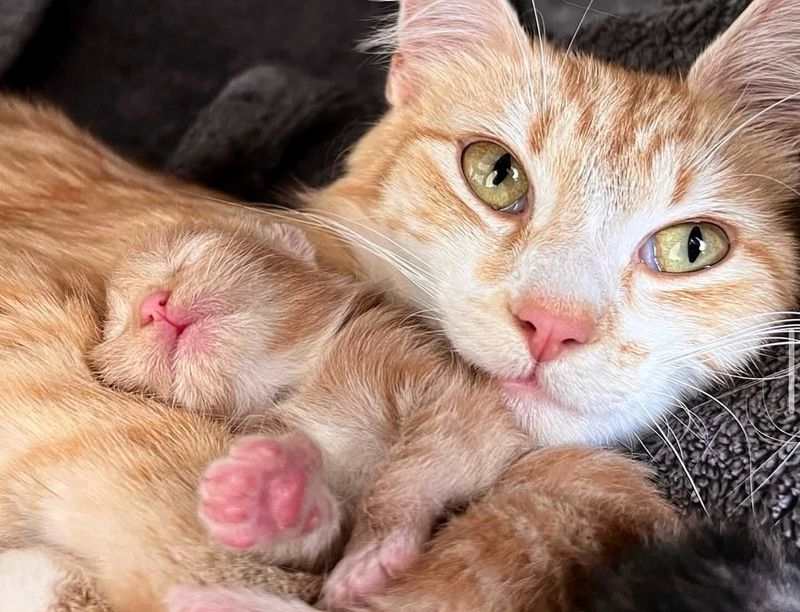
pixel 432 33
pixel 288 239
pixel 756 64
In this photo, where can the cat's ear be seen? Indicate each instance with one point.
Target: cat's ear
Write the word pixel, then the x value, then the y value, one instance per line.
pixel 756 64
pixel 430 32
pixel 289 239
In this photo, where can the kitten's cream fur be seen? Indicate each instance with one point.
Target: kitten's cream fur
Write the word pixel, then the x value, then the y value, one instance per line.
pixel 109 479
pixel 405 429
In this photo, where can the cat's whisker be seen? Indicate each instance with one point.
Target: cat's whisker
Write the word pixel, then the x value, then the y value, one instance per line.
pixel 768 414
pixel 771 475
pixel 733 415
pixel 770 178
pixel 592 10
pixel 540 34
pixel 422 314
pixel 352 238
pixel 773 325
pixel 323 220
pixel 409 270
pixel 669 429
pixel 677 402
pixel 577 30
pixel 769 438
pixel 646 449
pixel 724 341
pixel 744 124
pixel 718 130
pixel 344 233
pixel 757 379
pixel 381 235
pixel 657 430
pixel 693 417
pixel 743 340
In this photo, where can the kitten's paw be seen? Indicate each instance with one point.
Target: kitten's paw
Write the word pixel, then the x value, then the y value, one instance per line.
pixel 266 491
pixel 368 570
pixel 215 599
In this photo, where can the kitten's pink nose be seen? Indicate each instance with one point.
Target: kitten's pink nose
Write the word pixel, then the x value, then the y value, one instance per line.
pixel 153 308
pixel 548 334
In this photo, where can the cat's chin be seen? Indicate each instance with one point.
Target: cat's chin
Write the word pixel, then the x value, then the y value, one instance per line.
pixel 551 422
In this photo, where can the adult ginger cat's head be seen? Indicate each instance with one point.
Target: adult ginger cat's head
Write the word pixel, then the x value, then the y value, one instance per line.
pixel 600 241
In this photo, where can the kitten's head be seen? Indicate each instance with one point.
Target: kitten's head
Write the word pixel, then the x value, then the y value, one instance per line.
pixel 600 241
pixel 213 320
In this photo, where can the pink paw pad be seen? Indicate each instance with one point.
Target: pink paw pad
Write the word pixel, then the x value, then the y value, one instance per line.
pixel 367 571
pixel 265 490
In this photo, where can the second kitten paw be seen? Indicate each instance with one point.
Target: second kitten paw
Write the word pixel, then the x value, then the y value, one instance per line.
pixel 367 571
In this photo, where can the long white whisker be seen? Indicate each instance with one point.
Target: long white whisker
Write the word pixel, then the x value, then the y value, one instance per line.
pixel 731 413
pixel 684 467
pixel 773 179
pixel 766 480
pixel 577 29
pixel 764 340
pixel 733 133
pixel 343 232
pixel 594 10
pixel 540 33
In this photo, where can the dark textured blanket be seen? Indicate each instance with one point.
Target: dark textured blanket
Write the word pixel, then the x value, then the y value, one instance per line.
pixel 253 100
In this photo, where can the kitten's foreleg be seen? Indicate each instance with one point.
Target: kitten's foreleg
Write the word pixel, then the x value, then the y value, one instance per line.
pixel 440 461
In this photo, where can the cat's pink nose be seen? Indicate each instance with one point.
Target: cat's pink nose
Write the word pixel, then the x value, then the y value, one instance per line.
pixel 153 308
pixel 548 334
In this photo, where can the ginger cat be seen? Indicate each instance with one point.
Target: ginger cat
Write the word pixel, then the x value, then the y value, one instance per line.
pixel 600 242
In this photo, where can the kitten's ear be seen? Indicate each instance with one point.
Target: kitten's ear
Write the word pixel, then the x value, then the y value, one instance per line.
pixel 756 64
pixel 289 239
pixel 430 32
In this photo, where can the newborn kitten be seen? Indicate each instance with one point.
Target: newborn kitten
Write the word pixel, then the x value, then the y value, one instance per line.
pixel 382 428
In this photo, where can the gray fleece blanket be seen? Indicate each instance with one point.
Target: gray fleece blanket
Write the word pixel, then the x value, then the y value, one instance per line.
pixel 732 452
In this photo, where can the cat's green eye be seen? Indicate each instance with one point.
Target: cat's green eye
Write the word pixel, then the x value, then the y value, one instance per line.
pixel 686 247
pixel 495 176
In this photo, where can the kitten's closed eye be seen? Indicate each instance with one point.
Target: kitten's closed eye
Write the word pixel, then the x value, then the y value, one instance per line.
pixel 196 317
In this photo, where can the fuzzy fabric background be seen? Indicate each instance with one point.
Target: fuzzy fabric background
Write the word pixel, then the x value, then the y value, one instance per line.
pixel 255 97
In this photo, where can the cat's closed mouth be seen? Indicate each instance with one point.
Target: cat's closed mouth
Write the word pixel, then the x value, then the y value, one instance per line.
pixel 525 385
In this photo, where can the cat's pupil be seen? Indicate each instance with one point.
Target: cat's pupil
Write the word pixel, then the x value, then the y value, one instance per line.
pixel 696 243
pixel 501 169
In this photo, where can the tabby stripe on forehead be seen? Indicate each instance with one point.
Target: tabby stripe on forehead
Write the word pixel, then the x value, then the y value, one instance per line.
pixel 683 179
pixel 539 129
